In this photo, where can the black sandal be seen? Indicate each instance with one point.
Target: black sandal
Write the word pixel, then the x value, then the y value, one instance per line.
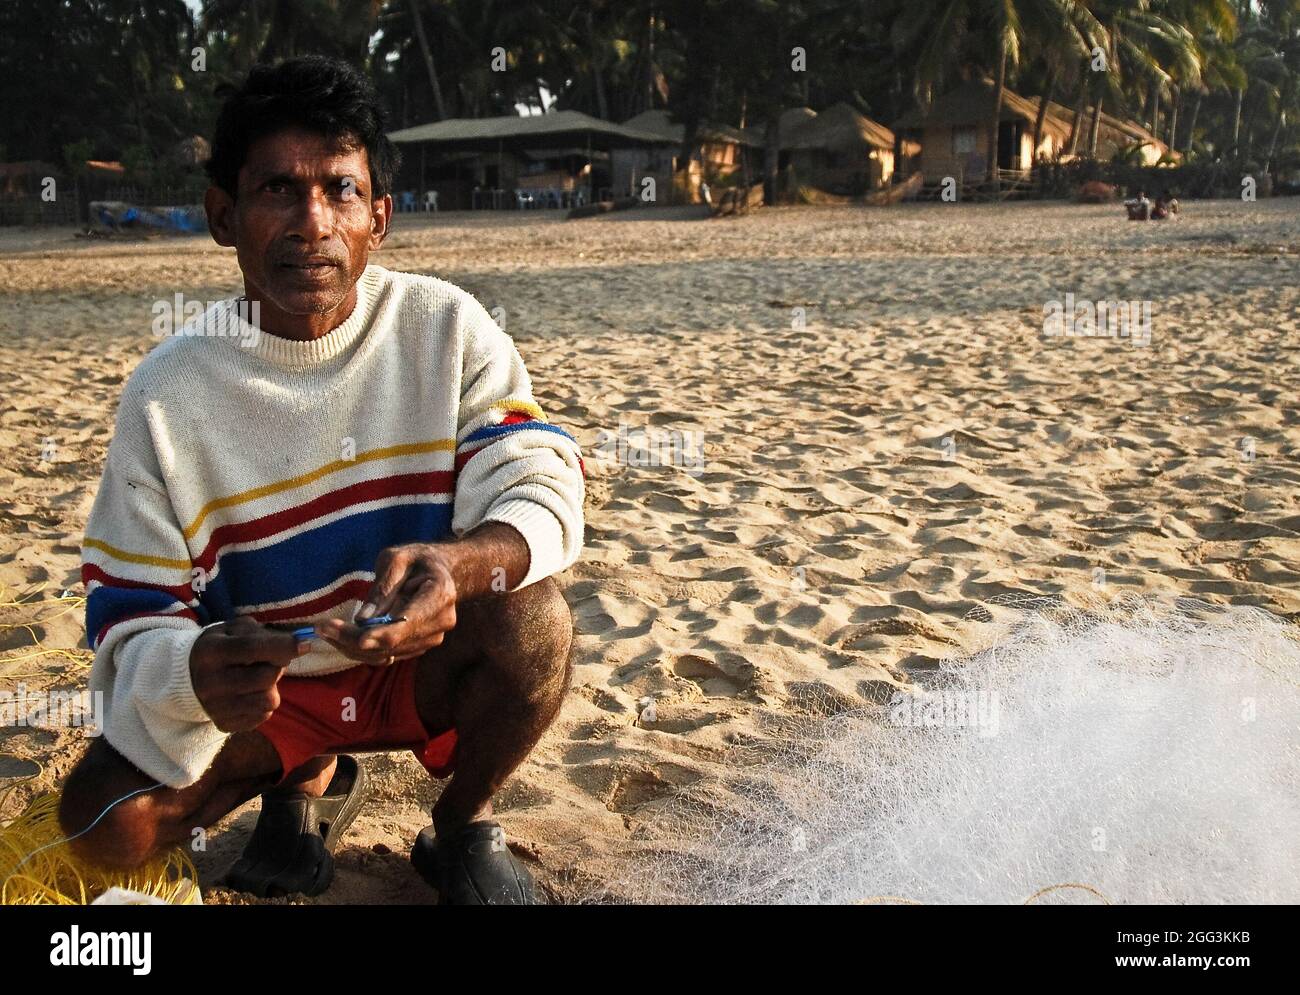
pixel 292 846
pixel 474 867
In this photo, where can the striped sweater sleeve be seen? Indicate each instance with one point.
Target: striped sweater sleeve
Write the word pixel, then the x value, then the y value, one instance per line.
pixel 142 616
pixel 512 465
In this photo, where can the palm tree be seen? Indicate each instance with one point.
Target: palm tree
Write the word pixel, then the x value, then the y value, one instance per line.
pixel 990 34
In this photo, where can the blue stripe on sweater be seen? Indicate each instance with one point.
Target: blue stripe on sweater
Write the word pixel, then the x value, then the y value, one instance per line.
pixel 108 604
pixel 318 557
pixel 495 431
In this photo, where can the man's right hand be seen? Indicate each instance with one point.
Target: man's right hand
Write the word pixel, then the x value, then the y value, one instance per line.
pixel 235 667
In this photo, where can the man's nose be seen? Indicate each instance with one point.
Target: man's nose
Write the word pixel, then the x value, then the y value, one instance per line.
pixel 313 219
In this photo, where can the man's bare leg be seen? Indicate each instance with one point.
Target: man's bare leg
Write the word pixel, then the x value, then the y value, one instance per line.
pixel 131 832
pixel 498 679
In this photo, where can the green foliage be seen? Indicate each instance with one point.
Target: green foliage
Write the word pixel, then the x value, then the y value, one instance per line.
pixel 122 73
pixel 75 155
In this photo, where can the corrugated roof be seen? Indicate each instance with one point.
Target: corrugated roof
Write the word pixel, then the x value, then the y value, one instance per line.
pixel 838 127
pixel 556 128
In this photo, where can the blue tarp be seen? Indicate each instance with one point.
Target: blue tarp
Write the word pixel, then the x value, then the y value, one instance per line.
pixel 116 214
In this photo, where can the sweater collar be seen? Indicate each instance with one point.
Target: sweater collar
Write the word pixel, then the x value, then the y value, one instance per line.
pixel 292 353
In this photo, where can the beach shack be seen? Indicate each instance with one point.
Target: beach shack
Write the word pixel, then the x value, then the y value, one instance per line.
pixel 556 159
pixel 839 150
pixel 718 152
pixel 953 134
pixel 1115 136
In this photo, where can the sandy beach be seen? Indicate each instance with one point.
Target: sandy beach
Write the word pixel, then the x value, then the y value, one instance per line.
pixel 891 447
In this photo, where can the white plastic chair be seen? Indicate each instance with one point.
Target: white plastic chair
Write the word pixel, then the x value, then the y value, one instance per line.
pixel 431 200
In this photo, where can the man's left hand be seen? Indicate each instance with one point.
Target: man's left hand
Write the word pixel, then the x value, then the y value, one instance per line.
pixel 415 582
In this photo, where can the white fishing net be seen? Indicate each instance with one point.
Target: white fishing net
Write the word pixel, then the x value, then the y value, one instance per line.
pixel 1151 754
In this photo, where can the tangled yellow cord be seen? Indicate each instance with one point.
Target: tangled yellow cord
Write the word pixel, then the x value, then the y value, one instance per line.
pixel 37 867
pixel 37 650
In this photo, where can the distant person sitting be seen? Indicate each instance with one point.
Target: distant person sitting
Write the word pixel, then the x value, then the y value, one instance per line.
pixel 1166 207
pixel 1139 208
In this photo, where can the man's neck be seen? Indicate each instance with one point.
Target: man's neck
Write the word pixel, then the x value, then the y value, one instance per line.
pixel 300 327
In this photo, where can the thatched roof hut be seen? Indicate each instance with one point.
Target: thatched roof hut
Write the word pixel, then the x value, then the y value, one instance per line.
pixel 661 123
pixel 839 150
pixel 838 127
pixel 792 117
pixel 1114 134
pixel 954 132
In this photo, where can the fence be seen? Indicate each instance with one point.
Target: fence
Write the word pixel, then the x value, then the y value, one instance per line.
pixel 181 196
pixel 34 211
pixel 74 207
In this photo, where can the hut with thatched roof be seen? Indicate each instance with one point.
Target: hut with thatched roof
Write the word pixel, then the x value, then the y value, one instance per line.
pixel 717 153
pixel 954 133
pixel 839 151
pixel 1115 136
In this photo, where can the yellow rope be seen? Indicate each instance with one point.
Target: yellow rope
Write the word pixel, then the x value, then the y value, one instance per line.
pixel 76 658
pixel 38 868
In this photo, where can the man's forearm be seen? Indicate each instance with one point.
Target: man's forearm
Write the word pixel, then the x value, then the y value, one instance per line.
pixel 492 559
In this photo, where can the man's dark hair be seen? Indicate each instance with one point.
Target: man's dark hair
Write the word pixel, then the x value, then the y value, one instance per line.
pixel 328 96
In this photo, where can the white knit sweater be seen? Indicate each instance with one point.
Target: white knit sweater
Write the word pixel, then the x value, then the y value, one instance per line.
pixel 256 475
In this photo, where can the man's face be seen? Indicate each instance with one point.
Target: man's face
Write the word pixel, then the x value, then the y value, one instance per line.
pixel 303 226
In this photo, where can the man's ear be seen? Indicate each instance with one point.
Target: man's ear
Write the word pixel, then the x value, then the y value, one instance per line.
pixel 381 216
pixel 220 208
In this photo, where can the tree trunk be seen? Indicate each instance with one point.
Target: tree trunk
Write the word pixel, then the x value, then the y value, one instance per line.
pixel 1042 116
pixel 1077 127
pixel 1236 119
pixel 1272 144
pixel 1191 125
pixel 1176 99
pixel 1155 112
pixel 1249 130
pixel 438 108
pixel 597 70
pixel 650 62
pixel 1095 132
pixel 997 114
pixel 772 157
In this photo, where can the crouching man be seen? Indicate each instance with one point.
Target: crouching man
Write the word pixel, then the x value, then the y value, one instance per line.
pixel 342 446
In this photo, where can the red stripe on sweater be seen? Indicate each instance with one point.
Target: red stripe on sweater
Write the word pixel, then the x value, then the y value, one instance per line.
pixel 433 482
pixel 183 613
pixel 357 589
pixel 91 571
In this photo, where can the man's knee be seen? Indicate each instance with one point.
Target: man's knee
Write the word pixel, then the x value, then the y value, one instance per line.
pixel 528 634
pixel 105 822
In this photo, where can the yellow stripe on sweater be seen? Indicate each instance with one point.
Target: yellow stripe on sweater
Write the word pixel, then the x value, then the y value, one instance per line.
pixel 148 561
pixel 525 407
pixel 408 449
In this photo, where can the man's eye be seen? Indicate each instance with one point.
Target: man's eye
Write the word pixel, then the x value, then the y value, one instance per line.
pixel 277 186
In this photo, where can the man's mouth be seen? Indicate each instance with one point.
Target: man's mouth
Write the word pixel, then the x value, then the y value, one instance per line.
pixel 309 265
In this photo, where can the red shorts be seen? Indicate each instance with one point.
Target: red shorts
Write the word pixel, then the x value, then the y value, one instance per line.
pixel 363 708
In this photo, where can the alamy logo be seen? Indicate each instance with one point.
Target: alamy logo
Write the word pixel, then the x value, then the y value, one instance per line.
pixel 77 949
pixel 201 319
pixel 652 445
pixel 82 709
pixel 953 708
pixel 1081 318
